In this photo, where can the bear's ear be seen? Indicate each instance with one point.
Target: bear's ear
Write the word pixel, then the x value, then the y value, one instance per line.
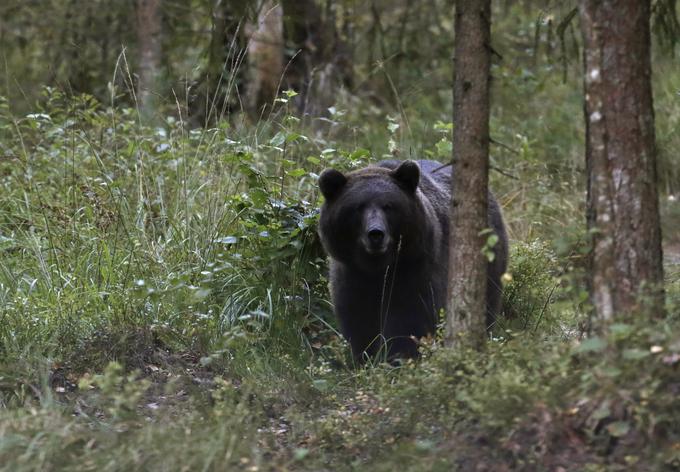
pixel 331 182
pixel 407 174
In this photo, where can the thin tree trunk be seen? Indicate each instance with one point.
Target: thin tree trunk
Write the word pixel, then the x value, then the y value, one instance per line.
pixel 322 63
pixel 626 273
pixel 149 37
pixel 215 92
pixel 469 201
pixel 265 57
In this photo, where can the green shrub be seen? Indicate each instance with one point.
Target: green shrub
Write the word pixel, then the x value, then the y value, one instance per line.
pixel 529 292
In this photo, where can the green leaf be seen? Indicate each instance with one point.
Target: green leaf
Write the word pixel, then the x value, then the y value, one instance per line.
pixel 634 354
pixel 259 197
pixel 300 453
pixel 492 240
pixel 489 254
pixel 292 137
pixel 321 384
pixel 278 139
pixel 602 412
pixel 299 172
pixel 611 371
pixel 359 154
pixel 441 126
pixel 618 428
pixel 620 329
pixel 444 148
pixel 594 344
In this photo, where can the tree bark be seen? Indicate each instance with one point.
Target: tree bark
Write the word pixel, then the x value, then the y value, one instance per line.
pixel 215 93
pixel 265 57
pixel 626 273
pixel 322 62
pixel 149 37
pixel 469 201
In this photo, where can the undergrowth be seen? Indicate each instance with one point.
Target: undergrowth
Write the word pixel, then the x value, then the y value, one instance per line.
pixel 164 306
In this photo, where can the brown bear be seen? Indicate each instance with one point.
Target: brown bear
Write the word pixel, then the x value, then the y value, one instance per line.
pixel 386 229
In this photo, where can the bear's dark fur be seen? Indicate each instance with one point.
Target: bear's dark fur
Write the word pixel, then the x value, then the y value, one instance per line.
pixel 386 228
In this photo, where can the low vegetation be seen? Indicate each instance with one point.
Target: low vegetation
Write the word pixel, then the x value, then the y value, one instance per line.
pixel 164 305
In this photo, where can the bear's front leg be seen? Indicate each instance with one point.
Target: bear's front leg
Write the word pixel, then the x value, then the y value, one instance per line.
pixel 403 327
pixel 356 302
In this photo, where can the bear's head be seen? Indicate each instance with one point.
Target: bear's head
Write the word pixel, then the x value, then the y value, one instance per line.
pixel 371 215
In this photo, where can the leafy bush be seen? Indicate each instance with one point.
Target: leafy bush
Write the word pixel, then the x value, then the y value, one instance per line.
pixel 530 290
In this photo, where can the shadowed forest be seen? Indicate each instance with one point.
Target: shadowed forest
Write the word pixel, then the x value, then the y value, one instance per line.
pixel 164 300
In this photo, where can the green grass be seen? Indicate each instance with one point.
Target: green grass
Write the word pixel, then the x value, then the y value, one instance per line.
pixel 164 305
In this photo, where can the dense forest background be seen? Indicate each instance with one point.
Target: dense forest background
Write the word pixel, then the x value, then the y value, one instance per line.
pixel 163 293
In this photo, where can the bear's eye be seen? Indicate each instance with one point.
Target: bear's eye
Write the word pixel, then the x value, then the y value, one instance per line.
pixel 387 206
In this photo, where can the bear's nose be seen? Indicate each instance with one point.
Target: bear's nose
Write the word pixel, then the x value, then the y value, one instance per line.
pixel 376 236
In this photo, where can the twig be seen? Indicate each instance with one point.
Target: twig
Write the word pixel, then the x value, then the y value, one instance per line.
pixel 497 169
pixel 443 166
pixel 503 172
pixel 503 145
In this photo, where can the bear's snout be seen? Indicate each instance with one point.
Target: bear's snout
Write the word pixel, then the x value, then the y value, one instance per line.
pixel 375 237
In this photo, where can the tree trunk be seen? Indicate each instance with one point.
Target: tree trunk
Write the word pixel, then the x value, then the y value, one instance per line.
pixel 469 201
pixel 322 63
pixel 149 37
pixel 626 273
pixel 215 93
pixel 265 57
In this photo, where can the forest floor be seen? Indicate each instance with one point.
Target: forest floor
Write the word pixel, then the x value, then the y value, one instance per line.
pixel 565 410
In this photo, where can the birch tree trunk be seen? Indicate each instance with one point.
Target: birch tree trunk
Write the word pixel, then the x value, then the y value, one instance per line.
pixel 469 200
pixel 626 273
